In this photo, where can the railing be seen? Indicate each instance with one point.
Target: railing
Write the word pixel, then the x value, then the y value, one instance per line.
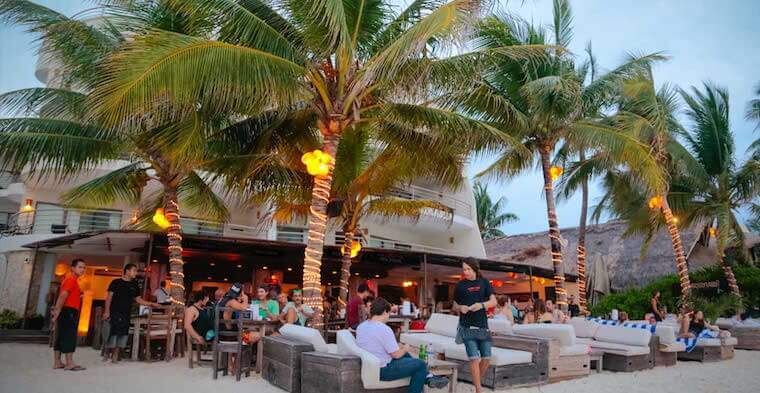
pixel 292 234
pixel 61 221
pixel 7 178
pixel 413 193
pixel 391 244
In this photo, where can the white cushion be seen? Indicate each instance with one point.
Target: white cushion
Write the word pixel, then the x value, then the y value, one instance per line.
pixel 370 363
pixel 673 347
pixel 583 327
pixel 666 333
pixel 307 335
pixel 730 341
pixel 619 349
pixel 500 326
pixel 564 333
pixel 442 324
pixel 437 342
pixel 709 342
pixel 499 356
pixel 622 335
pixel 574 350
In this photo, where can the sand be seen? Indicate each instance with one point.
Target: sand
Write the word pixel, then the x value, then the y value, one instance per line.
pixel 25 368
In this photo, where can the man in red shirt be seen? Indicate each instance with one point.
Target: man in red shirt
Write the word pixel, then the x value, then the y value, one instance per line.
pixel 355 304
pixel 65 317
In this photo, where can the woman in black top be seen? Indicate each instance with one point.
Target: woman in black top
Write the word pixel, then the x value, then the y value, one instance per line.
pixel 654 306
pixel 472 296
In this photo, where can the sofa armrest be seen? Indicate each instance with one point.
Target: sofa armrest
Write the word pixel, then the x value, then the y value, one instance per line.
pixel 417 331
pixel 539 347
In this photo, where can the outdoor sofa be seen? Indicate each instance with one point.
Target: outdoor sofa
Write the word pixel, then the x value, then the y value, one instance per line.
pixel 747 332
pixel 515 360
pixel 706 349
pixel 568 358
pixel 624 349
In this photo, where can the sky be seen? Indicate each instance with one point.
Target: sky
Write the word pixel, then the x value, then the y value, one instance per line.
pixel 706 40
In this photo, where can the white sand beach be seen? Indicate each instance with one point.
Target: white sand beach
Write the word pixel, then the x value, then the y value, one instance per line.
pixel 25 368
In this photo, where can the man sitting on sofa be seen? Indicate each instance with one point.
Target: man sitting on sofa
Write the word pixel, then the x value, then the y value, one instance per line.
pixel 375 337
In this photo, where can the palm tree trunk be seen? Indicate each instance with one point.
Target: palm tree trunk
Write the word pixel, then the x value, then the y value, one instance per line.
pixel 554 234
pixel 727 270
pixel 681 266
pixel 320 197
pixel 174 240
pixel 345 270
pixel 582 241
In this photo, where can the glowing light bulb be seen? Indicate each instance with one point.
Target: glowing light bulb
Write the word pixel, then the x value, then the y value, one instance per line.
pixel 355 248
pixel 317 162
pixel 713 232
pixel 159 218
pixel 655 202
pixel 555 172
pixel 27 206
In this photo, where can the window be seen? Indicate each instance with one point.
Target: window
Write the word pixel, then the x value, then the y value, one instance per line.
pixel 291 235
pixel 199 227
pixel 46 215
pixel 99 220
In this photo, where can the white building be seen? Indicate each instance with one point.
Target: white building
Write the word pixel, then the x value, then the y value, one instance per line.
pixel 40 237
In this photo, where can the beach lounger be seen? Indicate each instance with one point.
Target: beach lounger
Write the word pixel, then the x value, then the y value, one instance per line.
pixel 747 332
pixel 625 349
pixel 568 358
pixel 515 361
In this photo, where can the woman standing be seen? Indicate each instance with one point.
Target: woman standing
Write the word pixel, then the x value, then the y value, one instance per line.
pixel 472 296
pixel 655 308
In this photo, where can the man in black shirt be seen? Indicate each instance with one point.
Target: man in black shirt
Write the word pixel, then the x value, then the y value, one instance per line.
pixel 472 297
pixel 122 292
pixel 573 308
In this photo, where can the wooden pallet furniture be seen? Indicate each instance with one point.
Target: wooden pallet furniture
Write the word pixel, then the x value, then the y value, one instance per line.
pixel 282 362
pixel 326 372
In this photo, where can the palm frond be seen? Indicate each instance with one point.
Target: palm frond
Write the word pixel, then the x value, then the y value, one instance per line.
pixel 192 71
pixel 563 21
pixel 194 192
pixel 390 208
pixel 52 147
pixel 44 102
pixel 125 184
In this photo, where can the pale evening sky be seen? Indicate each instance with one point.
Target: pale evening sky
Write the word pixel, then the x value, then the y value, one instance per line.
pixel 707 40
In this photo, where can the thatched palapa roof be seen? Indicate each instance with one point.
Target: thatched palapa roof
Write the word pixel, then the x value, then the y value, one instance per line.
pixel 623 254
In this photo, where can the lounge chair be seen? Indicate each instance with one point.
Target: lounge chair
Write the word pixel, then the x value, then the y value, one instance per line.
pixel 663 345
pixel 568 358
pixel 281 365
pixel 705 349
pixel 515 360
pixel 747 332
pixel 625 349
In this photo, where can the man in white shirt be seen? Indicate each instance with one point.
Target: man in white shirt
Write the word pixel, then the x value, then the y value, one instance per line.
pixel 375 337
pixel 162 296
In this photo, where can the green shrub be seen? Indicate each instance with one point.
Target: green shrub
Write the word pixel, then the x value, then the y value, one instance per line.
pixel 635 301
pixel 9 319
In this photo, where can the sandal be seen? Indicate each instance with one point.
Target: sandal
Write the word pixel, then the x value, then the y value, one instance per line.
pixel 58 367
pixel 76 368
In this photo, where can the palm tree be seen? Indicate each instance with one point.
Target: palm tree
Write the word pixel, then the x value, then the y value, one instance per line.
pixel 365 177
pixel 721 187
pixel 55 136
pixel 541 102
pixel 490 216
pixel 345 63
pixel 650 114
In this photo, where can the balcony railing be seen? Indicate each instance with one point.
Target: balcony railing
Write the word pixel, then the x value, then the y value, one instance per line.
pixel 461 207
pixel 7 178
pixel 391 244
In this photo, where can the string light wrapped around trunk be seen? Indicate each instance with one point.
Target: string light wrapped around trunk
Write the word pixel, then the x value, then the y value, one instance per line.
pixel 655 202
pixel 582 277
pixel 174 240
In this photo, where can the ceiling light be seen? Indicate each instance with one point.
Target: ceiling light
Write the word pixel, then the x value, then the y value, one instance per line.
pixel 212 264
pixel 209 278
pixel 377 276
pixel 265 268
pixel 356 274
pixel 155 261
pixel 290 269
pixel 335 272
pixel 239 266
pixel 225 279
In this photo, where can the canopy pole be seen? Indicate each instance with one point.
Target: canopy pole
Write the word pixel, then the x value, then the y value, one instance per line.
pixel 425 282
pixel 530 282
pixel 147 265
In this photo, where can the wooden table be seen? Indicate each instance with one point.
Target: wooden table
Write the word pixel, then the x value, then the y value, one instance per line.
pixel 261 326
pixel 137 323
pixel 595 362
pixel 444 369
pixel 403 320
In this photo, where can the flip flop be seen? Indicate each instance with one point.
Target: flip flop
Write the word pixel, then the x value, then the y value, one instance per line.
pixel 58 367
pixel 76 368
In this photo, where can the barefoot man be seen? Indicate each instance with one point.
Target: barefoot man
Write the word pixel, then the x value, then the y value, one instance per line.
pixel 65 317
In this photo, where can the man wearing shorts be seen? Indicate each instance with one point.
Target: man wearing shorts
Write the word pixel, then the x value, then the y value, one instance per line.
pixel 121 293
pixel 65 317
pixel 473 295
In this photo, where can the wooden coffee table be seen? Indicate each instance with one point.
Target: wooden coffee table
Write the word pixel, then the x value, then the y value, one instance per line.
pixel 444 369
